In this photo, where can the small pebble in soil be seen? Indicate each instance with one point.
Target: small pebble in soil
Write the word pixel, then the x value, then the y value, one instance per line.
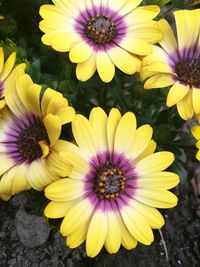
pixel 31 229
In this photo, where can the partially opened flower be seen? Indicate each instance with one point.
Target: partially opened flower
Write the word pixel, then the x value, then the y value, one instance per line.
pixel 29 133
pixel 6 69
pixel 101 34
pixel 196 133
pixel 115 185
pixel 177 63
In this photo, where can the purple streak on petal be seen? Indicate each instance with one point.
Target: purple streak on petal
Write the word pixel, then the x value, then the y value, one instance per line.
pixel 1 88
pixel 122 201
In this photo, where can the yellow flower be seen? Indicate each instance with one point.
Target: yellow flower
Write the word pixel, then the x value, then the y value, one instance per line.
pixel 177 63
pixel 29 136
pixel 115 184
pixel 5 72
pixel 1 17
pixel 101 34
pixel 196 133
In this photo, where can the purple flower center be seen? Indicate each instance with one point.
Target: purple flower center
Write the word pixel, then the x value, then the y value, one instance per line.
pixel 111 178
pixel 100 29
pixel 28 141
pixel 23 138
pixel 109 182
pixel 188 71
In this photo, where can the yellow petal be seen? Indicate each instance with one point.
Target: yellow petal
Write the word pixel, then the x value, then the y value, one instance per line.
pixel 185 108
pixel 142 13
pixel 137 225
pixel 125 133
pixel 136 46
pixel 123 60
pixel 6 182
pixel 1 59
pixel 187 24
pixel 198 118
pixel 113 237
pixel 198 144
pixel 84 135
pixel 80 52
pixel 198 155
pixel 77 215
pixel 20 182
pixel 2 103
pixel 177 92
pixel 56 164
pixel 78 237
pixel 29 94
pixel 196 131
pixel 117 5
pixel 128 241
pixel 142 138
pixel 51 102
pixel 154 163
pixel 5 163
pixel 38 175
pixel 52 124
pixel 64 41
pixel 98 119
pixel 113 121
pixel 71 154
pixel 66 114
pixel 12 97
pixel 152 215
pixel 162 180
pixel 168 42
pixel 156 198
pixel 56 210
pixel 105 66
pixel 148 151
pixel 160 67
pixel 196 100
pixel 159 81
pixel 96 234
pixel 53 12
pixel 64 190
pixel 86 69
pixel 8 66
pixel 146 31
pixel 45 148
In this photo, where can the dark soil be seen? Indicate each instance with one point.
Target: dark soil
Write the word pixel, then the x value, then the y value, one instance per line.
pixel 181 234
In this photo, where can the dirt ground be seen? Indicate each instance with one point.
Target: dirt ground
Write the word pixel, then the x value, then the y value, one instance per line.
pixel 181 234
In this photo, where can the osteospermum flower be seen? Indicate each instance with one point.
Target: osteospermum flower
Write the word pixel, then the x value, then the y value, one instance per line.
pixel 101 34
pixel 177 63
pixel 29 133
pixel 5 71
pixel 115 184
pixel 196 133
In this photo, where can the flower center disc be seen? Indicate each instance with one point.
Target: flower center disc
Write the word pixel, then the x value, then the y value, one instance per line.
pixel 100 29
pixel 28 141
pixel 109 182
pixel 188 71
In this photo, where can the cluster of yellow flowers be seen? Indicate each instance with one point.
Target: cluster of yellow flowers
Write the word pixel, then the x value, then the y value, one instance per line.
pixel 109 182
